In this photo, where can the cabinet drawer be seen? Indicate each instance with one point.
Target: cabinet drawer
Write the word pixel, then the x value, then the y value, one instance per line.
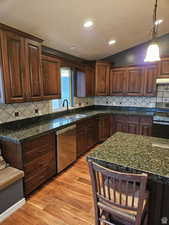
pixel 43 162
pixel 134 119
pixel 36 153
pixel 36 144
pixel 39 178
pixel 146 119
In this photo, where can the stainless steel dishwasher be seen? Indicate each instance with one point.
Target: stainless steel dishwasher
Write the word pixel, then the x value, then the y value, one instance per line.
pixel 66 147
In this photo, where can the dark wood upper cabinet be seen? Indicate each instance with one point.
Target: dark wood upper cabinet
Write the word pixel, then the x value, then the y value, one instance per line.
pixel 51 77
pixel 118 81
pixel 20 64
pixel 13 64
pixel 85 82
pixel 163 68
pixel 33 69
pixel 135 81
pixel 102 78
pixel 90 81
pixel 150 75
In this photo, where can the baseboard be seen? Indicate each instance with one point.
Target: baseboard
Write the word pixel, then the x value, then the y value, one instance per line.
pixel 12 209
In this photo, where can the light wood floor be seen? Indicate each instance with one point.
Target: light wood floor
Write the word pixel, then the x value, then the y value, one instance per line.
pixel 64 200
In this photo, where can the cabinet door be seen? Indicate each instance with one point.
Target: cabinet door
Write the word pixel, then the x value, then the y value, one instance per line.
pixel 135 81
pixel 150 80
pixel 92 132
pixel 121 123
pixel 133 124
pixel 164 68
pixel 102 79
pixel 90 82
pixel 104 127
pixel 13 66
pixel 146 126
pixel 117 81
pixel 112 125
pixel 82 144
pixel 33 69
pixel 51 77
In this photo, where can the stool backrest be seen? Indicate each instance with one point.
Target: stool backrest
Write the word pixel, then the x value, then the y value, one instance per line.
pixel 122 190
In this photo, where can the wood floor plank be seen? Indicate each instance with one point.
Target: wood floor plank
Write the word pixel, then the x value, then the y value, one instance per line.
pixel 65 200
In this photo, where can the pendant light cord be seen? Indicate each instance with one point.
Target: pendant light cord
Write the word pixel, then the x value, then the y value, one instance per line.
pixel 155 26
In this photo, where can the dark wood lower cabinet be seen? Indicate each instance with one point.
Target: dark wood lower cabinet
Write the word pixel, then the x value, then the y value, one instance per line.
pixel 131 124
pixel 37 158
pixel 87 135
pixel 104 127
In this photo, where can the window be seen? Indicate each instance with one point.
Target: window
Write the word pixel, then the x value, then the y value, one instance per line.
pixel 67 88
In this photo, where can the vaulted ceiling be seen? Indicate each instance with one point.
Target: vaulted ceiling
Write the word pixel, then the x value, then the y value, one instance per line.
pixel 60 23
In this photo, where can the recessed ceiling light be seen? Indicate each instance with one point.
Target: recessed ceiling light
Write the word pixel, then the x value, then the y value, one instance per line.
pixel 88 23
pixel 112 42
pixel 157 22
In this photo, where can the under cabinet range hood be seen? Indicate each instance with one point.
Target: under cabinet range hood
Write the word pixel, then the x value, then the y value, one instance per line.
pixel 162 81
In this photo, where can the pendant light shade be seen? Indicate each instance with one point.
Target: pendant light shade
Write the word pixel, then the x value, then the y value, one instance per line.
pixel 153 53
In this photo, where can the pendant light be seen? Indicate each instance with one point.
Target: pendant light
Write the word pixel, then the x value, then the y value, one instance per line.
pixel 153 52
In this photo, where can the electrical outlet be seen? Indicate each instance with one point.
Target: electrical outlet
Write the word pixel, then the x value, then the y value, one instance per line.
pixel 16 114
pixel 36 110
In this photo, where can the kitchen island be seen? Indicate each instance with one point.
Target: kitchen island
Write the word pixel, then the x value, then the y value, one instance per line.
pixel 136 154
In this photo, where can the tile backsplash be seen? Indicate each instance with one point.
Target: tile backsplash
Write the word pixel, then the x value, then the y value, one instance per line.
pixel 17 111
pixel 126 101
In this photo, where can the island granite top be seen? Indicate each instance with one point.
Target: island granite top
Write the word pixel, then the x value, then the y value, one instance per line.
pixel 134 153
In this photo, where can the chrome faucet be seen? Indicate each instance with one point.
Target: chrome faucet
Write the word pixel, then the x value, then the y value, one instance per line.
pixel 67 104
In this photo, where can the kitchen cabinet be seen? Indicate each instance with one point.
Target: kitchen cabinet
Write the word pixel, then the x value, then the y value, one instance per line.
pixel 12 67
pixel 20 64
pixel 135 81
pixel 85 82
pixel 146 126
pixel 104 127
pixel 141 125
pixel 81 139
pixel 102 78
pixel 33 69
pixel 133 124
pixel 120 123
pixel 118 81
pixel 150 75
pixel 51 77
pixel 37 158
pixel 163 68
pixel 87 135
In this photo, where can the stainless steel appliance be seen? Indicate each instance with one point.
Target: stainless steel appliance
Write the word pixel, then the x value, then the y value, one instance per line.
pixel 161 125
pixel 66 147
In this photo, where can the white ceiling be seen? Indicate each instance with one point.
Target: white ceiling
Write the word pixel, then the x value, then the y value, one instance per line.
pixel 60 23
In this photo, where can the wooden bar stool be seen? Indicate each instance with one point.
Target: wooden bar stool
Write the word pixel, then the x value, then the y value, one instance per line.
pixel 118 197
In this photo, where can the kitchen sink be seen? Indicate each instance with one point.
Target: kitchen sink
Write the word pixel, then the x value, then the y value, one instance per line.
pixel 76 116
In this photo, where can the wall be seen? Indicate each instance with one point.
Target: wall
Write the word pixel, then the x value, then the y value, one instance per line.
pixel 136 55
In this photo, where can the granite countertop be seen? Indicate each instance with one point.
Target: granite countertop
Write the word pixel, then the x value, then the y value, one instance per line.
pixel 18 134
pixel 134 153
